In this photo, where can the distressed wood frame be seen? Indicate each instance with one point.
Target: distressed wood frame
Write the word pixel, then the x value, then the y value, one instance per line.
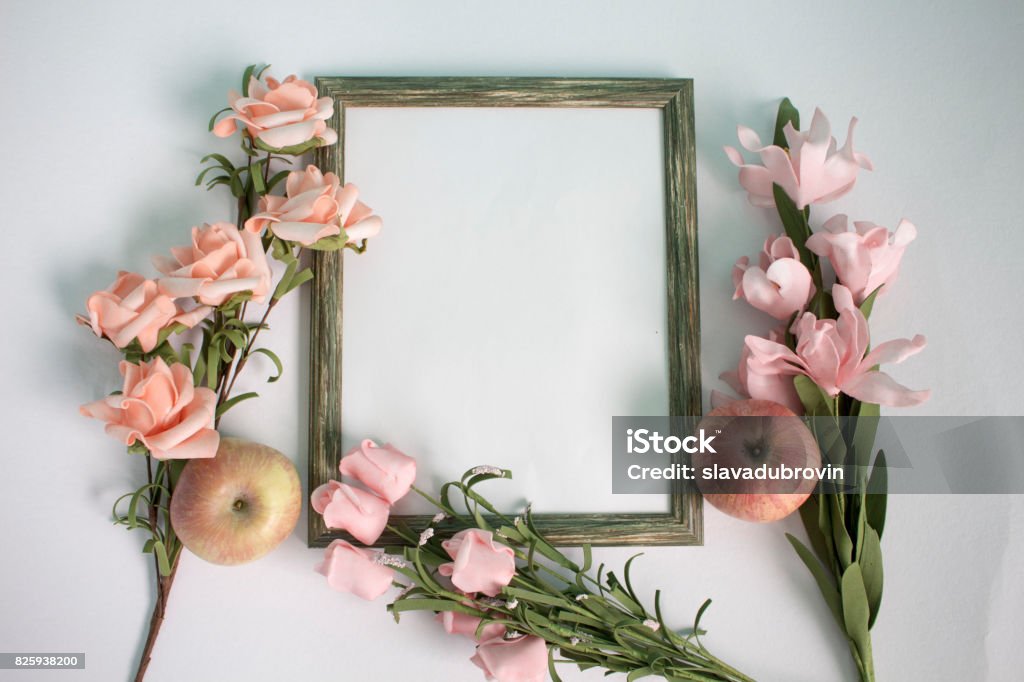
pixel 683 524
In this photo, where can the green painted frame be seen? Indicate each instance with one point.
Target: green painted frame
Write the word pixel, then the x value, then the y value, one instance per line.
pixel 683 523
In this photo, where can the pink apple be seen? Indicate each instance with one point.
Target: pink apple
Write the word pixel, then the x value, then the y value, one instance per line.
pixel 755 433
pixel 237 506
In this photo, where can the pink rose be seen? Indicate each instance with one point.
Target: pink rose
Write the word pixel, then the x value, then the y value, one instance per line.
pixel 220 263
pixel 362 514
pixel 833 353
pixel 132 308
pixel 480 565
pixel 456 623
pixel 866 258
pixel 811 171
pixel 781 285
pixel 161 407
pixel 382 469
pixel 524 659
pixel 352 569
pixel 762 384
pixel 279 114
pixel 316 206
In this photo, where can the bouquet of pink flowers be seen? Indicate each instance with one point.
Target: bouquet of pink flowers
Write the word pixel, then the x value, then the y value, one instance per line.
pixel 494 579
pixel 174 394
pixel 819 362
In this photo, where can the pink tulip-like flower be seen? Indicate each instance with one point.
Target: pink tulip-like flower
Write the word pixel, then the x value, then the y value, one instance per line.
pixel 382 469
pixel 355 570
pixel 866 258
pixel 812 171
pixel 160 407
pixel 761 383
pixel 220 262
pixel 361 513
pixel 279 114
pixel 523 659
pixel 456 623
pixel 132 308
pixel 480 564
pixel 832 354
pixel 781 285
pixel 316 206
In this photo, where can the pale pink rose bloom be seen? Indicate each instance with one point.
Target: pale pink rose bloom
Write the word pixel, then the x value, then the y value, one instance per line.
pixel 812 172
pixel 383 469
pixel 480 564
pixel 353 569
pixel 132 308
pixel 524 659
pixel 220 262
pixel 832 354
pixel 321 497
pixel 280 114
pixel 161 407
pixel 780 286
pixel 761 384
pixel 864 259
pixel 456 623
pixel 316 206
pixel 361 513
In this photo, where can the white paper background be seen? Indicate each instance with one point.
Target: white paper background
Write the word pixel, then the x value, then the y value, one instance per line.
pixel 515 300
pixel 103 115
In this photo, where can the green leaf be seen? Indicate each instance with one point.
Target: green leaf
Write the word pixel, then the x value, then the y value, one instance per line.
pixel 864 435
pixel 700 614
pixel 333 243
pixel 222 161
pixel 534 597
pixel 825 583
pixel 869 302
pixel 876 501
pixel 871 568
pixel 246 75
pixel 293 150
pixel 809 515
pixel 816 401
pixel 274 359
pixel 256 174
pixel 231 402
pixel 403 605
pixel 300 278
pixel 856 612
pixel 551 665
pixel 787 114
pixel 795 223
pixel 161 558
pixel 275 179
pixel 213 119
pixel 840 535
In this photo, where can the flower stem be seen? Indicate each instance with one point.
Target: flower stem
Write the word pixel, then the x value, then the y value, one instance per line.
pixel 163 591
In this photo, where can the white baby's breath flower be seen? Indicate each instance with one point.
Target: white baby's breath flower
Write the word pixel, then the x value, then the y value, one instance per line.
pixel 582 597
pixel 652 624
pixel 513 634
pixel 574 640
pixel 439 517
pixel 487 469
pixel 512 603
pixel 383 559
pixel 425 536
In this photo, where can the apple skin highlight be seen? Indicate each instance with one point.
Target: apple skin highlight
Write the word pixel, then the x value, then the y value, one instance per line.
pixel 237 506
pixel 757 437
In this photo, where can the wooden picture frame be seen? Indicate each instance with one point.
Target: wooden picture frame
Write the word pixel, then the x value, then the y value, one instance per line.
pixel 683 523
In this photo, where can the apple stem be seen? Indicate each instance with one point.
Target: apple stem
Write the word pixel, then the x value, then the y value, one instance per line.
pixel 163 591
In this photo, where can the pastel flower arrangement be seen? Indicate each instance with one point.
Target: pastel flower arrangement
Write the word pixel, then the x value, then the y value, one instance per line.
pixel 496 580
pixel 175 392
pixel 820 362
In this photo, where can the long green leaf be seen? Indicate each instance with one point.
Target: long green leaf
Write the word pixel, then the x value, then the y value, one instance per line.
pixel 871 568
pixel 856 612
pixel 825 583
pixel 274 359
pixel 787 114
pixel 878 485
pixel 231 402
